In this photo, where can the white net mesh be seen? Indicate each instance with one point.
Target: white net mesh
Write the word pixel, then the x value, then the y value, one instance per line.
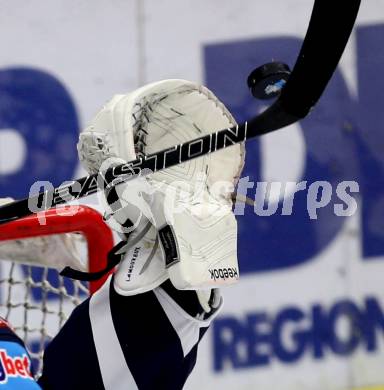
pixel 37 301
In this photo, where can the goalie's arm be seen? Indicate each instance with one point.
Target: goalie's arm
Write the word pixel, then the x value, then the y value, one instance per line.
pixel 327 35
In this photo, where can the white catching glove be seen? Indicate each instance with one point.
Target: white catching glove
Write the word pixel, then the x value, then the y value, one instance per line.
pixel 193 234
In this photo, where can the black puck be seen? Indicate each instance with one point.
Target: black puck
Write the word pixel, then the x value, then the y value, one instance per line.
pixel 267 81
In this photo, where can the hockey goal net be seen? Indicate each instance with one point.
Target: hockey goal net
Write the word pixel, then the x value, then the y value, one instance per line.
pixel 36 300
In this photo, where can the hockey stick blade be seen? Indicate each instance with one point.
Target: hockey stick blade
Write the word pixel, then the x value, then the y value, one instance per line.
pixel 314 67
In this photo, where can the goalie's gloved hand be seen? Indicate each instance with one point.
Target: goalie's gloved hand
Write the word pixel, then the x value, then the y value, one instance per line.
pixel 192 236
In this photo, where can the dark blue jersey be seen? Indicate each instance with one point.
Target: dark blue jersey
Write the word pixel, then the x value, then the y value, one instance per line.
pixel 113 342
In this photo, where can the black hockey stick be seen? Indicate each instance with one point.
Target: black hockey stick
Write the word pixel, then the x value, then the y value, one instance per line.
pixel 328 32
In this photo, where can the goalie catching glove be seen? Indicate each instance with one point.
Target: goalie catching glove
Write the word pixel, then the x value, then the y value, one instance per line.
pixel 179 221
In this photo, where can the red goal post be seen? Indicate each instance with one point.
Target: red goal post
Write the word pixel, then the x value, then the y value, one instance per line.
pixel 36 299
pixel 71 219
